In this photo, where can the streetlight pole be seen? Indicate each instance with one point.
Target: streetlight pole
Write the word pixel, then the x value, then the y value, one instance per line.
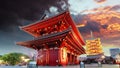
pixel 118 59
pixel 100 61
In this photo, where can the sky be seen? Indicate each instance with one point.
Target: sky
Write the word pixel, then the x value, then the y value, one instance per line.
pixel 100 16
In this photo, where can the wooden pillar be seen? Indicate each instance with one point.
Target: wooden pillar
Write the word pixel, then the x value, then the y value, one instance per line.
pixel 46 50
pixel 47 57
pixel 70 58
pixel 73 59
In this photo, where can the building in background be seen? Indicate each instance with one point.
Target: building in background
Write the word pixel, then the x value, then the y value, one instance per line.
pixel 93 47
pixel 57 40
pixel 114 52
pixel 94 50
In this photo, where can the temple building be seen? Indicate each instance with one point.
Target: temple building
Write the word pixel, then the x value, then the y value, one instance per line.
pixel 56 39
pixel 94 48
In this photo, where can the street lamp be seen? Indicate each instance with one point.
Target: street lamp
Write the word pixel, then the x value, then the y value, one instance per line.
pixel 22 57
pixel 103 57
pixel 26 60
pixel 99 61
pixel 1 61
pixel 82 58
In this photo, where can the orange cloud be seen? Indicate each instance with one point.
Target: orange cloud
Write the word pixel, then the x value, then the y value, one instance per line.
pixel 105 24
pixel 114 27
pixel 104 15
pixel 100 1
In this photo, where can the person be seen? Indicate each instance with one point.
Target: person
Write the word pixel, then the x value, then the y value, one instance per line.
pixel 99 64
pixel 82 65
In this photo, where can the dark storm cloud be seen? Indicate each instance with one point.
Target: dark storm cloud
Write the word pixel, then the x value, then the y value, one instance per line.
pixel 13 11
pixel 104 26
pixel 90 26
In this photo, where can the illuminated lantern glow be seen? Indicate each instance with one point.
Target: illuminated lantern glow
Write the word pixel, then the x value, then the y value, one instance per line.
pixel 64 53
pixel 93 47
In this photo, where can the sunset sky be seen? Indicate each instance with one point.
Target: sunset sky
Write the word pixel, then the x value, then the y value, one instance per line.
pixel 103 17
pixel 100 16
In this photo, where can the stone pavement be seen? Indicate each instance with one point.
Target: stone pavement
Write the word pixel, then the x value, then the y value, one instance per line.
pixel 71 66
pixel 86 66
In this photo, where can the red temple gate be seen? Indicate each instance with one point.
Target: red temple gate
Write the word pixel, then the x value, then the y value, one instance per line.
pixel 57 40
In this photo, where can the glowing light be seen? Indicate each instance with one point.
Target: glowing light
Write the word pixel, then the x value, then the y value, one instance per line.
pixel 22 57
pixel 80 25
pixel 93 47
pixel 1 61
pixel 64 54
pixel 26 60
pixel 103 57
pixel 118 58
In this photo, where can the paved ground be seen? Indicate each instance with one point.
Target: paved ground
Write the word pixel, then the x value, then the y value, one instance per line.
pixel 75 66
pixel 86 66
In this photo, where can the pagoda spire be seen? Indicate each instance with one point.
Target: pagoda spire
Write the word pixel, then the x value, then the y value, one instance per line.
pixel 92 35
pixel 43 16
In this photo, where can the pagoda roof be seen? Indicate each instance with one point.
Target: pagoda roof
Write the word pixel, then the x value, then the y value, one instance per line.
pixel 40 41
pixel 65 16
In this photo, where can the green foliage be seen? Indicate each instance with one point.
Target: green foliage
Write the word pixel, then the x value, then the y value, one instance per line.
pixel 0 57
pixel 13 58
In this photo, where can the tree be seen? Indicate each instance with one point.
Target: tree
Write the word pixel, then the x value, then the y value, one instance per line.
pixel 0 57
pixel 12 58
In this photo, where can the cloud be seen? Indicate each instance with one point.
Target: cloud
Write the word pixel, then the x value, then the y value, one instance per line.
pixel 104 9
pixel 103 21
pixel 90 26
pixel 100 1
pixel 12 12
pixel 116 7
